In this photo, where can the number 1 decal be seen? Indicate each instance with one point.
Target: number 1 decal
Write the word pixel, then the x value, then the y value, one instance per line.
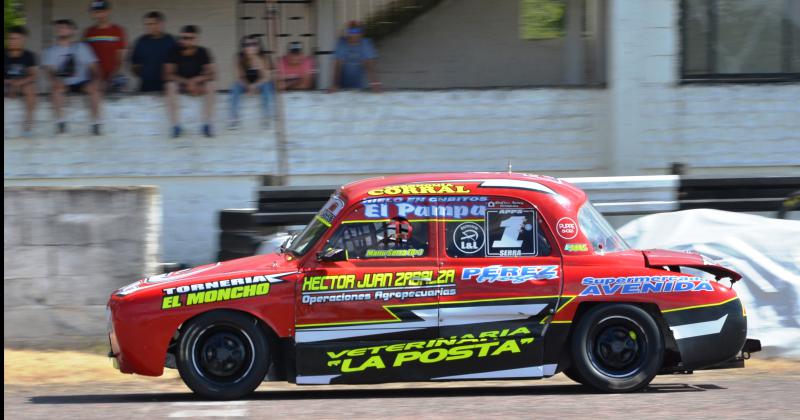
pixel 512 229
pixel 511 232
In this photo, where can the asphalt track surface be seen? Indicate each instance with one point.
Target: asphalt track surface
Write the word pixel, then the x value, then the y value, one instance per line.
pixel 721 394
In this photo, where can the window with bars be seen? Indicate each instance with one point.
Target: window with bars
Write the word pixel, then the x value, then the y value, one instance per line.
pixel 740 40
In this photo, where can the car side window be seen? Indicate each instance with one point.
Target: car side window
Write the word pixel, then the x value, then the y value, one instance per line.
pixel 395 237
pixel 509 228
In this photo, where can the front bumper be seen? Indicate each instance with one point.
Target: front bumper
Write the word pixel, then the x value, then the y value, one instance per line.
pixel 112 347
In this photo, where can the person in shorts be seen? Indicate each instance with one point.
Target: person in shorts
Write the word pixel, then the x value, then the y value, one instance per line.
pixel 150 52
pixel 108 42
pixel 19 77
pixel 73 68
pixel 190 69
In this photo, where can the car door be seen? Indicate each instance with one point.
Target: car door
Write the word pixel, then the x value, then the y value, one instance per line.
pixel 357 313
pixel 509 278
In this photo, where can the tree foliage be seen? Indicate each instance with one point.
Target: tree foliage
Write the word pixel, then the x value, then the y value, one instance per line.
pixel 12 15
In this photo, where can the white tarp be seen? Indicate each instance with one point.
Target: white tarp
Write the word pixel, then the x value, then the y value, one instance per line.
pixel 765 251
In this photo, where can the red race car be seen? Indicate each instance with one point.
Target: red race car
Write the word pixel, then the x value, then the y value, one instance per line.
pixel 437 277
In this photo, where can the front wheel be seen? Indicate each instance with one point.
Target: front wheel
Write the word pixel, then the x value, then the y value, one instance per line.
pixel 617 348
pixel 571 373
pixel 223 355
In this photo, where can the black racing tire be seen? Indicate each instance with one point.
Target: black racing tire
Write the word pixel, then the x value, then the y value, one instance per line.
pixel 223 355
pixel 571 373
pixel 617 348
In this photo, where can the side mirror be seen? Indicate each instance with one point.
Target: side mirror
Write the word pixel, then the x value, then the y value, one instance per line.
pixel 332 255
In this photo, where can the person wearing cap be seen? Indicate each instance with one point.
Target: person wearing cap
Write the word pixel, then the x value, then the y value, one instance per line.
pixel 355 61
pixel 190 69
pixel 73 68
pixel 296 70
pixel 19 77
pixel 108 43
pixel 253 77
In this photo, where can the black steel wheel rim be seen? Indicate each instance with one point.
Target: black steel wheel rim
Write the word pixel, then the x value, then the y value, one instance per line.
pixel 617 346
pixel 223 354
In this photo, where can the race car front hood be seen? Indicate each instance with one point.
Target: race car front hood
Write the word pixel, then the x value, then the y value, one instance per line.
pixel 658 258
pixel 259 265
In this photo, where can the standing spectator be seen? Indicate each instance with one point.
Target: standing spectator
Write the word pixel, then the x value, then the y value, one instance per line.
pixel 296 70
pixel 108 43
pixel 150 52
pixel 19 77
pixel 189 68
pixel 254 76
pixel 72 67
pixel 355 61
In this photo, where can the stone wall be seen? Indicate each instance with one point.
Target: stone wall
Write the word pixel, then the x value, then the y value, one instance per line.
pixel 65 250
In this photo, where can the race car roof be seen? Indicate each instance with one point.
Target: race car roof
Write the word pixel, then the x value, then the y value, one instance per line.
pixel 536 188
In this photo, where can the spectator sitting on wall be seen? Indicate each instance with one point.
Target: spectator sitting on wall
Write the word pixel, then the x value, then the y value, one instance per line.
pixel 150 52
pixel 355 61
pixel 19 77
pixel 108 43
pixel 189 69
pixel 296 69
pixel 72 67
pixel 254 76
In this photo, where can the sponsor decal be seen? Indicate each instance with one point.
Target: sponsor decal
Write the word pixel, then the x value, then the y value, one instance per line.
pixel 512 232
pixel 467 346
pixel 608 286
pixel 425 207
pixel 332 208
pixel 469 237
pixel 507 204
pixel 512 274
pixel 420 189
pixel 567 228
pixel 393 253
pixel 378 286
pixel 576 247
pixel 218 290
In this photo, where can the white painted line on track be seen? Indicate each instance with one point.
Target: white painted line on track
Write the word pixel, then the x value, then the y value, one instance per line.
pixel 209 403
pixel 235 412
pixel 196 409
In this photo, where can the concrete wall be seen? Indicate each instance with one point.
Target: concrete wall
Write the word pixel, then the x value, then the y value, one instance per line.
pixel 197 176
pixel 65 250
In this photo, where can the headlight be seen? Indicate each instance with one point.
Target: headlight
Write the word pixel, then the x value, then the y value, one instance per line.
pixel 109 324
pixel 125 291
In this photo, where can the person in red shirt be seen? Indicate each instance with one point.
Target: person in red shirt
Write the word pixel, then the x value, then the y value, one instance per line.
pixel 108 42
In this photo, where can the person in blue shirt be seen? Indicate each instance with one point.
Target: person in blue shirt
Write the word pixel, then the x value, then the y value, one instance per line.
pixel 150 53
pixel 355 61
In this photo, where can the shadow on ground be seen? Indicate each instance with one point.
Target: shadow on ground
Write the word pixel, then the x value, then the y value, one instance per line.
pixel 311 394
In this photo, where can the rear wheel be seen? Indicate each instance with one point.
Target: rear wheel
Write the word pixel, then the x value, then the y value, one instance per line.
pixel 223 355
pixel 617 348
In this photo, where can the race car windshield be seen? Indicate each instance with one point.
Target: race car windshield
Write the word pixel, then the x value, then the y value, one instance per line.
pixel 600 234
pixel 319 224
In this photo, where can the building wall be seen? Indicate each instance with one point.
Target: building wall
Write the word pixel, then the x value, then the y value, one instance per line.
pixel 65 250
pixel 475 43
